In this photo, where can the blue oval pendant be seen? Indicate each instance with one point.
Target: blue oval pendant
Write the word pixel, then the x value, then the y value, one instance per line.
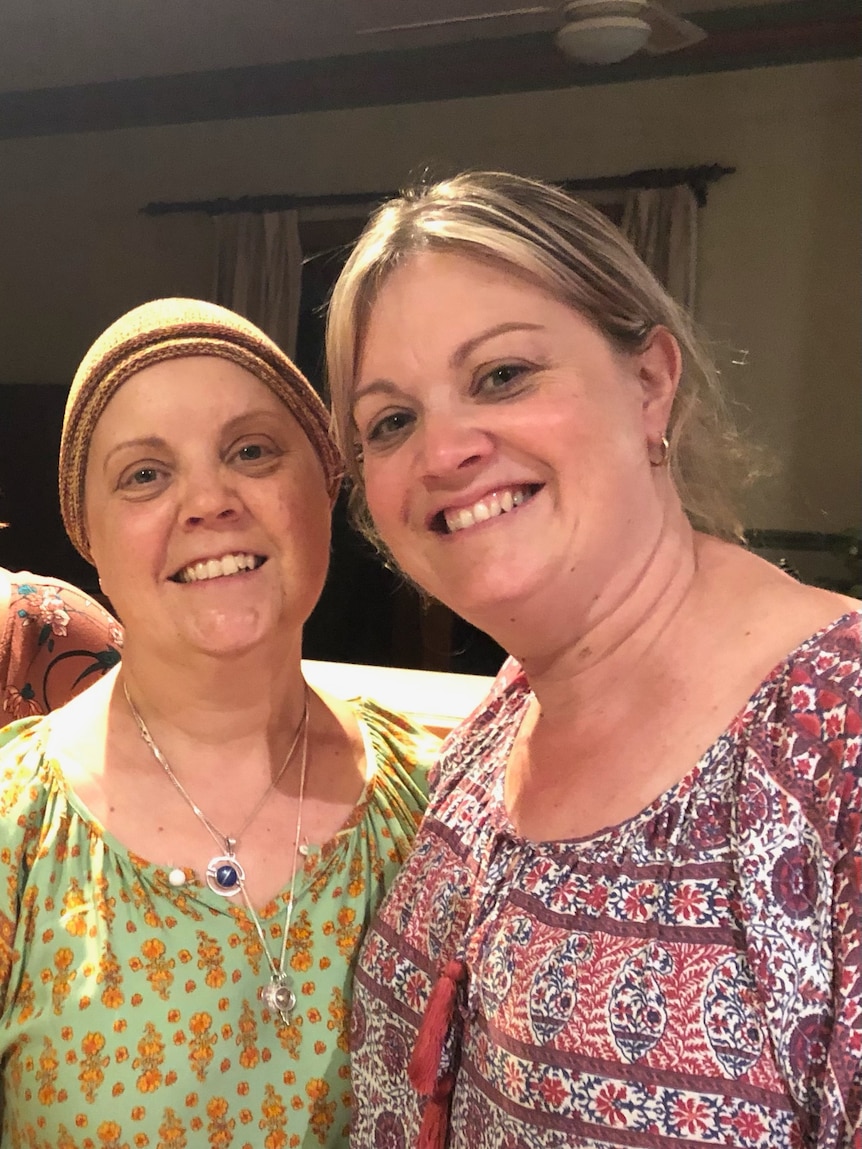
pixel 225 875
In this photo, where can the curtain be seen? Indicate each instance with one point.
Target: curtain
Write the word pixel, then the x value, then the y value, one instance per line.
pixel 259 270
pixel 661 224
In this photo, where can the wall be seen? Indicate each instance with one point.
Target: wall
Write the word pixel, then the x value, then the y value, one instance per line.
pixel 780 241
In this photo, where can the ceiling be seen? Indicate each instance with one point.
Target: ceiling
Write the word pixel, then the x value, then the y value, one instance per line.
pixel 79 65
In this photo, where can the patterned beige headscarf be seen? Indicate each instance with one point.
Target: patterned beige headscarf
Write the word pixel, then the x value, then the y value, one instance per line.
pixel 175 329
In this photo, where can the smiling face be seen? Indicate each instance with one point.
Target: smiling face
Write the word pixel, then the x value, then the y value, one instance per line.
pixel 206 509
pixel 505 441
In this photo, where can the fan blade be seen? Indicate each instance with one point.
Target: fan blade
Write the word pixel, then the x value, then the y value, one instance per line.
pixel 669 32
pixel 444 21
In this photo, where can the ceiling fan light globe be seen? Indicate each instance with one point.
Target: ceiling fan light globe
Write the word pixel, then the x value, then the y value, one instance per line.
pixel 602 39
pixel 581 9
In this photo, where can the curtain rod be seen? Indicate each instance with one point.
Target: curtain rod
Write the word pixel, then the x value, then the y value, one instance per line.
pixel 697 178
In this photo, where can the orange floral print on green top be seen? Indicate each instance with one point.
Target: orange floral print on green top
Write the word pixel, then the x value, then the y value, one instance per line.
pixel 130 1011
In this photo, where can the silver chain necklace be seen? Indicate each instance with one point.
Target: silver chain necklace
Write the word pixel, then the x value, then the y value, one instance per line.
pixel 224 873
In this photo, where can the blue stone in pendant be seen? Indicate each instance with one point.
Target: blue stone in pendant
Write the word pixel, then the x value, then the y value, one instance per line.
pixel 225 875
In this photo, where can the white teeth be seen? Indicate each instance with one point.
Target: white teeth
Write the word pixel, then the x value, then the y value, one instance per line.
pixel 216 568
pixel 497 503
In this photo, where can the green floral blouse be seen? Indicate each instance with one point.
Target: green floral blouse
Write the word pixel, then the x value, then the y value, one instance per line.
pixel 130 1009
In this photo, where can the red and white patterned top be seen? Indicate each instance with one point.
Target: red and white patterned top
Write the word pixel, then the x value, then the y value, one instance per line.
pixel 692 976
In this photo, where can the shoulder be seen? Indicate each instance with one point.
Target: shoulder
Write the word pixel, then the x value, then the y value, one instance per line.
pixel 480 739
pixel 399 757
pixel 51 616
pixel 824 673
pixel 398 732
pixel 803 732
pixel 824 691
pixel 23 773
pixel 404 752
pixel 59 604
pixel 57 641
pixel 21 736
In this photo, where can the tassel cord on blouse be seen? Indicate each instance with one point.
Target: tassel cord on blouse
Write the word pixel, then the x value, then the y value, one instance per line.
pixel 424 1067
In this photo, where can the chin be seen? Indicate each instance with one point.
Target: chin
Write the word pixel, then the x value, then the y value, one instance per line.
pixel 482 604
pixel 224 647
pixel 489 598
pixel 223 635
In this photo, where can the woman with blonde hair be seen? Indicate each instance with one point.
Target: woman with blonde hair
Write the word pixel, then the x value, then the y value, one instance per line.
pixel 192 848
pixel 631 917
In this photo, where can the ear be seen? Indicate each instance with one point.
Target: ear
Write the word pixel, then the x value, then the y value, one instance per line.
pixel 659 366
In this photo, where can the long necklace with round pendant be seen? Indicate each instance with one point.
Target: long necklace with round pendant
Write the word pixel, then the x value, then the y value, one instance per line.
pixel 225 874
pixel 279 997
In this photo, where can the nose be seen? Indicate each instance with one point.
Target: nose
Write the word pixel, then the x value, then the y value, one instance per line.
pixel 452 442
pixel 210 499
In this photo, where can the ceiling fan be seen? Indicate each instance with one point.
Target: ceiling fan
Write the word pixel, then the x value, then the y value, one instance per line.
pixel 592 31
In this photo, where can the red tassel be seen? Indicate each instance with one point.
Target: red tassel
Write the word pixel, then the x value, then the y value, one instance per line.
pixel 424 1067
pixel 435 1117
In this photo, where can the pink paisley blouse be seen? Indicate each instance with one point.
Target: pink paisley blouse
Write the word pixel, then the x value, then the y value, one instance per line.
pixel 691 977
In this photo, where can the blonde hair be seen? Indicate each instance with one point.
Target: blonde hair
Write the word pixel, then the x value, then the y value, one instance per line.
pixel 570 250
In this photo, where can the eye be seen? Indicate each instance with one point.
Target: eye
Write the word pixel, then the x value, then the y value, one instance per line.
pixel 250 452
pixel 254 452
pixel 387 428
pixel 501 379
pixel 141 478
pixel 144 475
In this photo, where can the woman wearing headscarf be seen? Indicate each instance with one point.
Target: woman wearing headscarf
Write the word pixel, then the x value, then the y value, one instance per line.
pixel 632 914
pixel 192 848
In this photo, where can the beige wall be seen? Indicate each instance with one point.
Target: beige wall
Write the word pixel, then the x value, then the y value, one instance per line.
pixel 779 254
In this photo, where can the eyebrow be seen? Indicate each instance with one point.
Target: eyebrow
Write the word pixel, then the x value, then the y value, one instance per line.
pixel 156 443
pixel 457 358
pixel 152 441
pixel 468 347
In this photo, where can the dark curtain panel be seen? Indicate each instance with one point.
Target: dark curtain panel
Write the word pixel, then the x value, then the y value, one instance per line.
pixel 30 421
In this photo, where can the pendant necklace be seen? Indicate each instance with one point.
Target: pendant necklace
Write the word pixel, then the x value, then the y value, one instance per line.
pixel 224 873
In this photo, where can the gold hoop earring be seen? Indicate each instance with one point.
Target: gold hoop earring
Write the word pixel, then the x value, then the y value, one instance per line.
pixel 664 455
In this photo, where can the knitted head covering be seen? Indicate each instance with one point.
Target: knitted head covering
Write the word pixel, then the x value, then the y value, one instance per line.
pixel 176 329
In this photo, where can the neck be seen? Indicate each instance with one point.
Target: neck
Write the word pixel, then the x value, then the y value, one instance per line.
pixel 217 702
pixel 576 659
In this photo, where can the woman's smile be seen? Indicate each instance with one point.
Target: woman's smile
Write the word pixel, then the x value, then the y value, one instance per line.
pixel 227 566
pixel 502 501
